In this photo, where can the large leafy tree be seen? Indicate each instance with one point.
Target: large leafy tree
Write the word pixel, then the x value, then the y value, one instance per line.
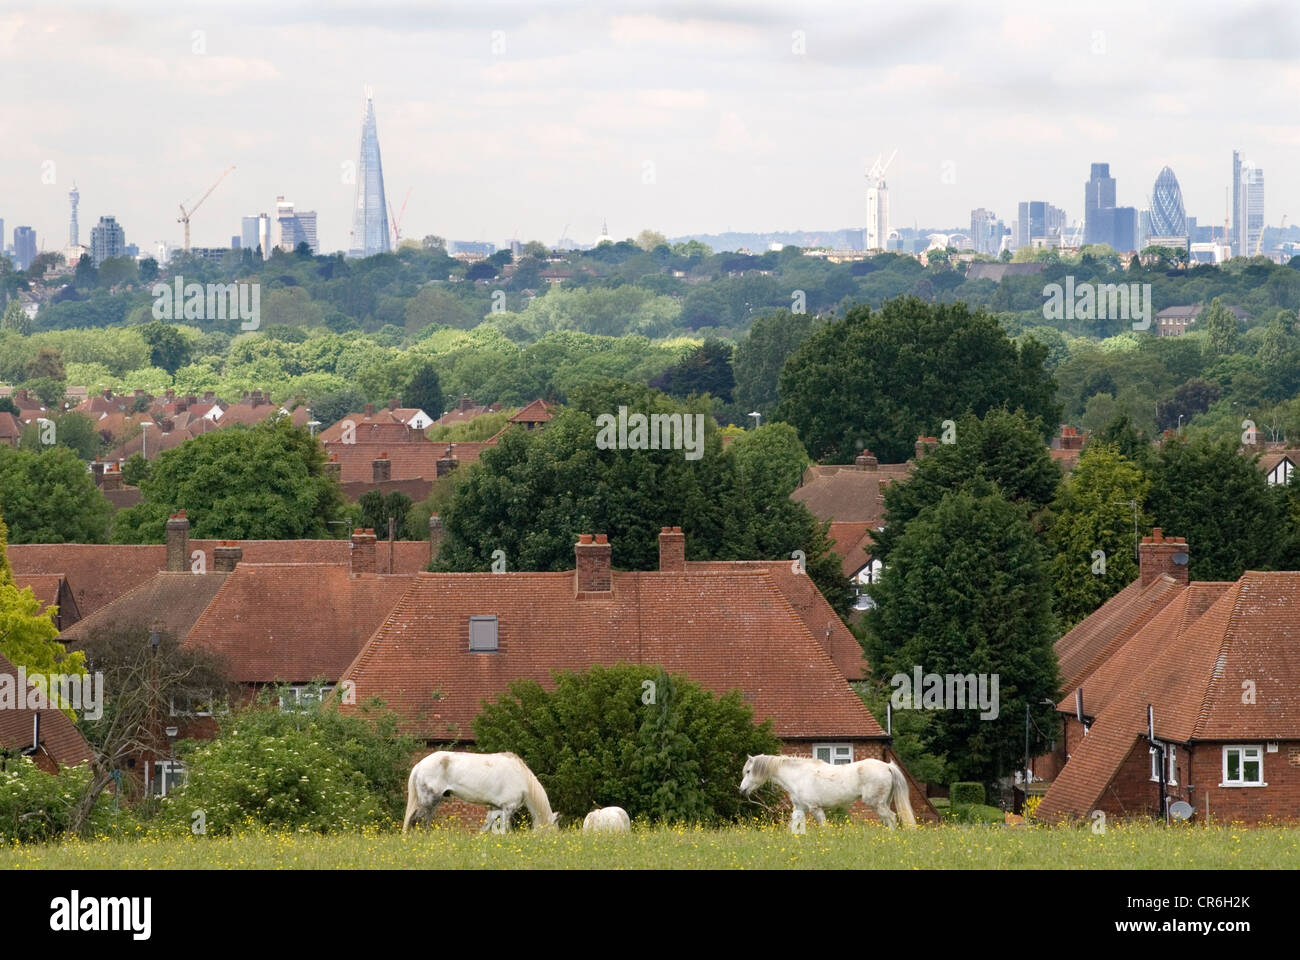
pixel 706 369
pixel 423 391
pixel 49 497
pixel 1006 448
pixel 760 356
pixel 265 482
pixel 168 348
pixel 879 379
pixel 1221 502
pixel 967 591
pixel 535 491
pixel 595 741
pixel 1098 507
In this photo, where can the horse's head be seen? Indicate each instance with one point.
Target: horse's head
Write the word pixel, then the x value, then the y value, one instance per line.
pixel 549 823
pixel 753 778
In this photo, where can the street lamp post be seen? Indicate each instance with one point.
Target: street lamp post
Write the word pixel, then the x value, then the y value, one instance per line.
pixel 758 418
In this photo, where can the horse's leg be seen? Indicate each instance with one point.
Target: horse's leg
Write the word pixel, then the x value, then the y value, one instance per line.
pixel 506 814
pixel 490 820
pixel 820 814
pixel 886 815
pixel 798 820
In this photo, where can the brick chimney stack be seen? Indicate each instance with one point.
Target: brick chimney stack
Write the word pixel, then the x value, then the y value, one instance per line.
pixel 363 551
pixel 593 570
pixel 866 460
pixel 333 468
pixel 178 542
pixel 226 556
pixel 382 468
pixel 672 550
pixel 447 462
pixel 1159 554
pixel 370 410
pixel 925 445
pixel 435 536
pixel 112 479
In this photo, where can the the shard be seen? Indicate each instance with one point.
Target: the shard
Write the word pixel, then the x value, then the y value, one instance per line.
pixel 370 217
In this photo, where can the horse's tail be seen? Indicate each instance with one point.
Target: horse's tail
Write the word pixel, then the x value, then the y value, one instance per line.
pixel 412 800
pixel 539 805
pixel 900 794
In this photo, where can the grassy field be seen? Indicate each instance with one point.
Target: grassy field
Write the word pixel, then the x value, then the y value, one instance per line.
pixel 845 846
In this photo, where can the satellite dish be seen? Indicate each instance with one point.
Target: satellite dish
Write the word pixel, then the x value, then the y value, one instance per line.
pixel 1180 559
pixel 1181 810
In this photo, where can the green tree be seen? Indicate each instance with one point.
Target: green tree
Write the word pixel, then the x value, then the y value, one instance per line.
pixel 377 510
pixel 48 363
pixel 1005 448
pixel 16 319
pixel 878 380
pixel 312 769
pixel 967 590
pixel 1099 507
pixel 1221 502
pixel 135 470
pixel 595 741
pixel 266 482
pixel 75 431
pixel 706 369
pixel 50 497
pixel 168 349
pixel 423 391
pixel 761 354
pixel 1220 326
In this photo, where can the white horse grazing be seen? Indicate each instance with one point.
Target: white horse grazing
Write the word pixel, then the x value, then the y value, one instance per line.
pixel 500 780
pixel 814 785
pixel 607 820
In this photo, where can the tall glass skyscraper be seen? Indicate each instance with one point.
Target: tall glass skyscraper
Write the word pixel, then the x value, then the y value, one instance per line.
pixel 1168 219
pixel 370 217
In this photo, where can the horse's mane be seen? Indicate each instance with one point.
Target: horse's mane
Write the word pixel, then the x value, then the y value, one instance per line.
pixel 765 764
pixel 536 792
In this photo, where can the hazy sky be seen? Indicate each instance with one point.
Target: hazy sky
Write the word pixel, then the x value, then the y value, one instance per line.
pixel 507 119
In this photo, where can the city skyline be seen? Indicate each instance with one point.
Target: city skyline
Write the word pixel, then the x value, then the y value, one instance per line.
pixel 511 121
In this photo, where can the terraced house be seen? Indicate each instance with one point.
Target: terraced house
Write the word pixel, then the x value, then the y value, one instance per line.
pixel 1181 691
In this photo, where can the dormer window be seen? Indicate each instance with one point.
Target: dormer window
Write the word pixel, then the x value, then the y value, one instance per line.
pixel 482 634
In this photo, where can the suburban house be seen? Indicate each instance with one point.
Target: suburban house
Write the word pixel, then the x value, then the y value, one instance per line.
pixel 465 411
pixel 1178 691
pixel 47 736
pixel 1278 463
pixel 455 640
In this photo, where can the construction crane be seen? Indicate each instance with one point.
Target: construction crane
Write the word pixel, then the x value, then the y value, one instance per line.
pixel 1260 242
pixel 186 214
pixel 396 221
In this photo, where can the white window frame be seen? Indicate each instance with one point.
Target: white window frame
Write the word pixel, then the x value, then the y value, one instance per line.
pixel 296 690
pixel 1171 753
pixel 836 753
pixel 1245 751
pixel 164 774
pixel 216 708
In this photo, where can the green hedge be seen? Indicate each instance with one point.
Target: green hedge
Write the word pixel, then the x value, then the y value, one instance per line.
pixel 966 791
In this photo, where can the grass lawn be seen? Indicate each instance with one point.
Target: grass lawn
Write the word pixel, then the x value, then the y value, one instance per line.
pixel 838 846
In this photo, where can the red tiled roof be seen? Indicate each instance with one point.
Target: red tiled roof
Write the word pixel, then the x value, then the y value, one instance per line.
pixel 852 543
pixel 382 426
pixel 1091 641
pixel 100 573
pixel 294 622
pixel 62 742
pixel 848 495
pixel 10 428
pixel 409 461
pixel 170 601
pixel 732 630
pixel 1194 683
pixel 536 412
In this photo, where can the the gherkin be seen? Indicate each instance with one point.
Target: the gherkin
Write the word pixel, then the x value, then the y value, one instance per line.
pixel 1168 218
pixel 370 217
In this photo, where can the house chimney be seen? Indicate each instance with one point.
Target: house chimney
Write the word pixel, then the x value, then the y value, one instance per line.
pixel 382 468
pixel 107 393
pixel 226 556
pixel 592 558
pixel 1070 439
pixel 448 462
pixel 370 409
pixel 435 536
pixel 178 542
pixel 672 550
pixel 97 471
pixel 363 551
pixel 392 403
pixel 112 477
pixel 333 468
pixel 866 460
pixel 1159 554
pixel 466 403
pixel 925 446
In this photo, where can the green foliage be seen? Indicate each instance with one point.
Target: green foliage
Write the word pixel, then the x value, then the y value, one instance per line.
pixel 1094 510
pixel 136 470
pixel 265 482
pixel 967 590
pixel 966 791
pixel 706 369
pixel 168 348
pixel 760 356
pixel 1204 490
pixel 878 380
pixel 595 741
pixel 15 318
pixel 423 392
pixel 313 769
pixel 37 807
pixel 1005 448
pixel 377 510
pixel 49 497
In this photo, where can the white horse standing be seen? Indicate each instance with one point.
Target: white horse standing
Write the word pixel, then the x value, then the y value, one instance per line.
pixel 500 780
pixel 607 820
pixel 814 785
